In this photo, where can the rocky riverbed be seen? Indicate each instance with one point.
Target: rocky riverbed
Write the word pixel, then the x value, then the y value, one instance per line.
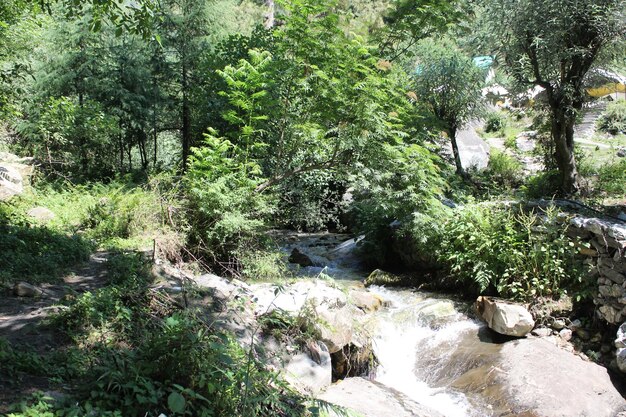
pixel 397 352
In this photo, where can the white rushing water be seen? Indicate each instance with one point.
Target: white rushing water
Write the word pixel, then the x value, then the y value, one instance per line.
pixel 414 347
pixel 403 335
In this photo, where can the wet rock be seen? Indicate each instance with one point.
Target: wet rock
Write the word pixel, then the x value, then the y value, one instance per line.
pixel 24 289
pixel 336 328
pixel 366 301
pixel 370 399
pixel 380 277
pixel 355 359
pixel 436 312
pixel 310 372
pixel 41 214
pixel 300 258
pixel 505 317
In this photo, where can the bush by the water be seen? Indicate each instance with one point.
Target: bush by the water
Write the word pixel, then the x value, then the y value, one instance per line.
pixel 511 253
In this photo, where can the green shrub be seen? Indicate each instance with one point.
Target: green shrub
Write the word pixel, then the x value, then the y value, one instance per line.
pixel 148 356
pixel 543 184
pixel 613 121
pixel 495 122
pixel 36 253
pixel 516 255
pixel 612 178
pixel 225 211
pixel 504 170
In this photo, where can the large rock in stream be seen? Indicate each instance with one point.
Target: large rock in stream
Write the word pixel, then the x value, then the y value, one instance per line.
pixel 522 377
pixel 371 399
pixel 505 317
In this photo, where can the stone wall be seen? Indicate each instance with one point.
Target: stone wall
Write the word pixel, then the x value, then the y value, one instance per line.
pixel 606 257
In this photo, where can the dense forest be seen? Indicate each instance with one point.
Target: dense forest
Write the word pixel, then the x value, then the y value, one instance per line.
pixel 452 141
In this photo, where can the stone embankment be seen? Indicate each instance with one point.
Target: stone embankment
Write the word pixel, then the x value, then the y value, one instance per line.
pixel 605 253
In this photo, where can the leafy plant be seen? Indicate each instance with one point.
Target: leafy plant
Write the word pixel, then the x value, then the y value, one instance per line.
pixel 516 255
pixel 613 121
pixel 495 122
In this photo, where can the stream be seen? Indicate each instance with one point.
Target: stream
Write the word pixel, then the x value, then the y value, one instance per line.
pixel 423 342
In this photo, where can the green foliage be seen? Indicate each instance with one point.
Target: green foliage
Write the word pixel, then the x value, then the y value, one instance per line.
pixel 293 330
pixel 449 84
pixel 613 121
pixel 14 362
pixel 226 213
pixel 543 184
pixel 36 253
pixel 146 355
pixel 262 265
pixel 408 181
pixel 495 122
pixel 504 170
pixel 612 178
pixel 514 255
pixel 325 105
pixel 74 138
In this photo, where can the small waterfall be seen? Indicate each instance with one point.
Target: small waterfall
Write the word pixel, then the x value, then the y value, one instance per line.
pixel 423 344
pixel 406 336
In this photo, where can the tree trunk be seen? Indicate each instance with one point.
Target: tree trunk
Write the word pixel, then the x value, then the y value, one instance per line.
pixel 455 152
pixel 186 116
pixel 563 137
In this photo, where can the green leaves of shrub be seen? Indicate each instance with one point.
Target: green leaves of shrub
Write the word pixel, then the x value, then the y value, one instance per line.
pixel 503 250
pixel 176 403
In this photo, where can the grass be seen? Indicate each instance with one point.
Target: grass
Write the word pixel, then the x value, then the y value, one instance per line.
pixel 117 216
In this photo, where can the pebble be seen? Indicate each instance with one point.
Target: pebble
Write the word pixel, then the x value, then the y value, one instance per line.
pixel 566 334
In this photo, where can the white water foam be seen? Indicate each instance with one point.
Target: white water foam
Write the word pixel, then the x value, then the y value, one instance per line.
pixel 399 335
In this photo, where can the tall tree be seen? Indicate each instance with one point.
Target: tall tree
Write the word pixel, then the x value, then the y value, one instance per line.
pixel 449 83
pixel 185 30
pixel 554 44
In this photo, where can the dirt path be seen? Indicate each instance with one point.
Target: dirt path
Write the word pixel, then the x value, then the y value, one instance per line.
pixel 21 319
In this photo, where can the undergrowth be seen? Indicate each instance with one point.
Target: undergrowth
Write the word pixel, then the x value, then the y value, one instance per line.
pixel 140 353
pixel 503 251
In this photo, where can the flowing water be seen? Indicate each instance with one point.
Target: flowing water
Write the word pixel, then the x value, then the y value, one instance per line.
pixel 426 348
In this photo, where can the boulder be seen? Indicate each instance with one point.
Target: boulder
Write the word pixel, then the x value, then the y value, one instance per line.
pixel 552 382
pixel 315 293
pixel 434 312
pixel 10 182
pixel 24 289
pixel 366 301
pixel 300 258
pixel 41 214
pixel 221 287
pixel 336 328
pixel 380 277
pixel 310 372
pixel 534 377
pixel 505 317
pixel 371 399
pixel 542 332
